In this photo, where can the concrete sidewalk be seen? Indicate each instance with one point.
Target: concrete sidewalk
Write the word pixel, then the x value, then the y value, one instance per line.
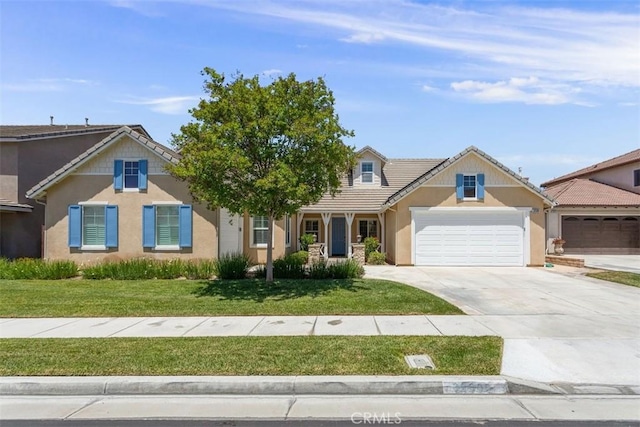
pixel 349 407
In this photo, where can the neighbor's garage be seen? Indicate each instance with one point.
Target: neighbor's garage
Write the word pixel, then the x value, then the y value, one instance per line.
pixel 601 234
pixel 460 237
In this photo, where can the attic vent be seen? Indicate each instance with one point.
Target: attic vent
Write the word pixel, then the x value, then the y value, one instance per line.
pixel 420 361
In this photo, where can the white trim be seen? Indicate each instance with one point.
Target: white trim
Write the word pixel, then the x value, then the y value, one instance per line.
pixel 171 202
pixel 287 221
pixel 93 248
pixel 485 186
pixel 373 169
pixel 260 245
pixel 130 190
pixel 97 203
pixel 370 218
pixel 470 199
pixel 465 208
pixel 111 174
pixel 527 237
pixel 167 248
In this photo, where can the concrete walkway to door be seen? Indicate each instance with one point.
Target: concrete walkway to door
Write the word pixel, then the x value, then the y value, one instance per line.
pixel 629 263
pixel 557 328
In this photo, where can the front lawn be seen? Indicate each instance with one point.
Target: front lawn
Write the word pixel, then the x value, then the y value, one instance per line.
pixel 120 298
pixel 306 355
pixel 631 279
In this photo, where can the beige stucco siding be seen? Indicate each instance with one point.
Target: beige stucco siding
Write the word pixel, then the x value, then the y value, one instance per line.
pixel 445 197
pixel 258 255
pixel 621 176
pixel 78 188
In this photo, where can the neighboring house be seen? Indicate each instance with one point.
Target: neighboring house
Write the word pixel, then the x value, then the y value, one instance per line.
pixel 116 201
pixel 598 207
pixel 28 154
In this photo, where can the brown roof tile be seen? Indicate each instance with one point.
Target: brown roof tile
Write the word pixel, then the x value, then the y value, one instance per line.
pixel 586 192
pixel 632 156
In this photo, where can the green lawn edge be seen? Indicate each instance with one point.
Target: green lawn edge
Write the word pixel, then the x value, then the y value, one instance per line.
pixel 300 355
pixel 251 297
pixel 622 277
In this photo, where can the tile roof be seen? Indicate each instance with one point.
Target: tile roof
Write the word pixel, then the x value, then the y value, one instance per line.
pixel 587 192
pixel 396 174
pixel 9 205
pixel 411 186
pixel 22 132
pixel 160 150
pixel 632 156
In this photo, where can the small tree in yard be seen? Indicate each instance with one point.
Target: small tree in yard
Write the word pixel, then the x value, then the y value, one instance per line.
pixel 266 150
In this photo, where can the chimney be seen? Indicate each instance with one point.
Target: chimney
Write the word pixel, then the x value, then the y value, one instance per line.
pixel 51 117
pixel 86 121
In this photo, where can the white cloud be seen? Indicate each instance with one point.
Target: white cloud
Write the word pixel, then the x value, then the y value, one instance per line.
pixel 545 159
pixel 271 72
pixel 166 105
pixel 577 48
pixel 427 88
pixel 142 7
pixel 528 90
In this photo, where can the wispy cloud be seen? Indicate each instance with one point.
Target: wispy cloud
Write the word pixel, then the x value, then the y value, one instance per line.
pixel 167 105
pixel 527 90
pixel 272 72
pixel 145 8
pixel 562 47
pixel 542 159
pixel 46 85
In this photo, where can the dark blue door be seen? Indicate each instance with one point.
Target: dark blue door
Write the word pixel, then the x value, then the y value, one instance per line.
pixel 338 237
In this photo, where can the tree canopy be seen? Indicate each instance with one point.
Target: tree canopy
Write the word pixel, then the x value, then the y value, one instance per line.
pixel 263 149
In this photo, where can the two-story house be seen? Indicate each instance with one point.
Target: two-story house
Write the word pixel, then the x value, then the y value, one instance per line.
pixel 115 200
pixel 598 207
pixel 28 154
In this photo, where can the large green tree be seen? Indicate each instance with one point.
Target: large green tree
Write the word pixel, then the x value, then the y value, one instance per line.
pixel 263 149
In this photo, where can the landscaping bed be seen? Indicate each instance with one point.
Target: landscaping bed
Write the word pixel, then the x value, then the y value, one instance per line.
pixel 119 298
pixel 631 279
pixel 307 355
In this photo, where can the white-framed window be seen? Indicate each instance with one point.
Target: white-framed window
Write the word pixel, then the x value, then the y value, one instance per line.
pixel 93 226
pixel 131 174
pixel 312 226
pixel 469 183
pixel 366 172
pixel 636 178
pixel 259 231
pixel 287 231
pixel 368 228
pixel 167 226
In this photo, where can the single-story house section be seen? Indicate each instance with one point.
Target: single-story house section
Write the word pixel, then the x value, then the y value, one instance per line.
pixel 466 210
pixel 598 207
pixel 116 201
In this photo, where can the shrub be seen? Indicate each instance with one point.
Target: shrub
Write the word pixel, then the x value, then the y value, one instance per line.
pixel 232 266
pixel 34 268
pixel 370 245
pixel 288 268
pixel 199 269
pixel 376 258
pixel 306 240
pixel 349 269
pixel 145 268
pixel 319 270
pixel 301 257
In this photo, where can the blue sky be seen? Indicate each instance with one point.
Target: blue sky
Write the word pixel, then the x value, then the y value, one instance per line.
pixel 549 86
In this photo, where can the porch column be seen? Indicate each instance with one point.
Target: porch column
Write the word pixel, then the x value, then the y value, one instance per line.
pixel 299 218
pixel 326 217
pixel 349 218
pixel 381 216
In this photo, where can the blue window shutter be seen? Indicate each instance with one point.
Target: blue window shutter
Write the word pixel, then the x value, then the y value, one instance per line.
pixel 459 185
pixel 148 226
pixel 118 174
pixel 185 226
pixel 142 174
pixel 480 189
pixel 111 226
pixel 75 226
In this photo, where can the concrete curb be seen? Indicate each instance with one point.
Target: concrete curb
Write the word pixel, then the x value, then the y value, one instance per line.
pixel 294 385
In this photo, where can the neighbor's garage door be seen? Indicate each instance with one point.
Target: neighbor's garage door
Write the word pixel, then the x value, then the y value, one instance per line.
pixel 601 234
pixel 462 238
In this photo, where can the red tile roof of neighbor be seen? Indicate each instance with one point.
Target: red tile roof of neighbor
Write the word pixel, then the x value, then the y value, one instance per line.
pixel 586 192
pixel 623 159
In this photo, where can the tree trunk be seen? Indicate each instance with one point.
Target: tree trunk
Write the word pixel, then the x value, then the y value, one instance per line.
pixel 270 250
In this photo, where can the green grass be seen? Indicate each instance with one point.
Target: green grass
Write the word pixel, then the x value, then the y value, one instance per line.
pixel 631 279
pixel 306 355
pixel 95 298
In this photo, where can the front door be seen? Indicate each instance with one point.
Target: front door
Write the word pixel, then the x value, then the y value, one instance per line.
pixel 230 233
pixel 338 237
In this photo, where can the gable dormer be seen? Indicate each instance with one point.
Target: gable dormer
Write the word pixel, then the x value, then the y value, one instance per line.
pixel 368 170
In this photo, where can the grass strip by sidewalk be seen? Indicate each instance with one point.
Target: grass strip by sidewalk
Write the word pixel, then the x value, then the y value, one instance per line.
pixel 307 355
pixel 631 279
pixel 116 298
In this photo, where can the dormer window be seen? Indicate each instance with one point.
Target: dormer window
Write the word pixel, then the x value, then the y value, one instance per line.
pixel 469 186
pixel 131 174
pixel 366 173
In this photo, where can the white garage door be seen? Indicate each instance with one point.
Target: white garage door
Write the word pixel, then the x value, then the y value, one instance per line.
pixel 492 238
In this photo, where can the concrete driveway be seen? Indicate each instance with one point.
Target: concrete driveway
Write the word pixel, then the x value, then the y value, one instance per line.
pixel 556 327
pixel 630 263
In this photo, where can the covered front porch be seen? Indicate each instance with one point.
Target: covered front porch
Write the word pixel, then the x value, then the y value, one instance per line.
pixel 338 231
